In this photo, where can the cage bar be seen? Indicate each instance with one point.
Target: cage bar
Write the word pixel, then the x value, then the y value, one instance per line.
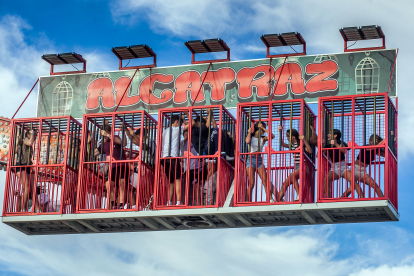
pixel 362 166
pixel 42 174
pixel 195 157
pixel 274 171
pixel 117 172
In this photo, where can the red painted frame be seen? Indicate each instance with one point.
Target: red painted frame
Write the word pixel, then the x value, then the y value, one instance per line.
pixel 390 163
pixel 193 61
pixel 269 151
pixel 37 164
pixel 86 117
pixel 52 73
pixel 154 64
pixel 362 49
pixel 158 176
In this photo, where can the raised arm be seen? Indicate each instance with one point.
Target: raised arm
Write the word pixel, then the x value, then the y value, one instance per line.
pixel 283 143
pixel 187 125
pixel 307 146
pixel 314 137
pixel 29 141
pixel 248 138
pixel 333 142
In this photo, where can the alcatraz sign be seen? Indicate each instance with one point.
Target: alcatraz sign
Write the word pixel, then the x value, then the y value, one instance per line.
pixel 227 83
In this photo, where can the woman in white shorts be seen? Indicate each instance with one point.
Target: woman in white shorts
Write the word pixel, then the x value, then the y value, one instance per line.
pixel 337 158
pixel 366 157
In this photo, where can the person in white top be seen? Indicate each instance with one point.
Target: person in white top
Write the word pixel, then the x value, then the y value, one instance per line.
pixel 254 162
pixel 170 148
pixel 294 142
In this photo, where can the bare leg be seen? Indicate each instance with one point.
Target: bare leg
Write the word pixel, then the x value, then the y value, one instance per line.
pixel 121 191
pixel 263 176
pixel 292 179
pixel 348 176
pixel 250 175
pixel 178 189
pixel 171 192
pixel 327 183
pixel 110 190
pixel 24 178
pixel 369 181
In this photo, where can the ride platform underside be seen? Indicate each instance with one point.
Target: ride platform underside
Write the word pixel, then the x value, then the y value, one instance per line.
pixel 207 218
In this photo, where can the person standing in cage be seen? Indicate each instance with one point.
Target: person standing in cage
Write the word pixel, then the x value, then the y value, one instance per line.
pixel 120 171
pixel 148 149
pixel 254 162
pixel 196 174
pixel 170 148
pixel 366 157
pixel 199 133
pixel 336 155
pixel 294 142
pixel 24 149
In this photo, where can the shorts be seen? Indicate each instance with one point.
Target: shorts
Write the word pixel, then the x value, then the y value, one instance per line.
pixel 200 175
pixel 297 167
pixel 359 171
pixel 254 161
pixel 120 172
pixel 172 168
pixel 339 167
pixel 23 169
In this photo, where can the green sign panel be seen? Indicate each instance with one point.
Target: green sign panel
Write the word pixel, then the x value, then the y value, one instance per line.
pixel 226 83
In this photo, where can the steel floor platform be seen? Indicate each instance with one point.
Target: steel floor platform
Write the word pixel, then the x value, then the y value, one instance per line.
pixel 206 218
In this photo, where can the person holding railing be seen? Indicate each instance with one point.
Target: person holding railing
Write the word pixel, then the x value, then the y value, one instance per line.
pixel 170 151
pixel 294 143
pixel 254 162
pixel 24 150
pixel 366 157
pixel 336 154
pixel 120 171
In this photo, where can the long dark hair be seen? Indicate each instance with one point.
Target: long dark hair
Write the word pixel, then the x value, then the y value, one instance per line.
pixel 294 134
pixel 379 138
pixel 256 126
pixel 338 134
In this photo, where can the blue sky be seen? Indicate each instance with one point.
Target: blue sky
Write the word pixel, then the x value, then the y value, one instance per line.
pixel 29 29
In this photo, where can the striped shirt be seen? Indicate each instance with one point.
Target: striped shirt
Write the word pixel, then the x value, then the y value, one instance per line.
pixel 296 156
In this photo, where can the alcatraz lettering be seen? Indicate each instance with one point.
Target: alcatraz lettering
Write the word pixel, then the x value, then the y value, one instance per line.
pixel 261 82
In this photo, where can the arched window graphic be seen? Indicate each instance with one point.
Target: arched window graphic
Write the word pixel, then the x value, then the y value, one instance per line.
pixel 62 99
pixel 367 74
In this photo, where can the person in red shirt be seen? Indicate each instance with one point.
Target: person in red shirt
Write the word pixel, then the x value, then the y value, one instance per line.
pixel 120 171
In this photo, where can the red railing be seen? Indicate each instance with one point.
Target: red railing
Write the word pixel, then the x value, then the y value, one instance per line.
pixel 359 165
pixel 46 182
pixel 123 178
pixel 187 179
pixel 281 172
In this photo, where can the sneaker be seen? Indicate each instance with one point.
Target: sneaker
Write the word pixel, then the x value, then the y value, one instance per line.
pixel 297 198
pixel 134 206
pixel 169 203
pixel 121 206
pixel 271 200
pixel 178 203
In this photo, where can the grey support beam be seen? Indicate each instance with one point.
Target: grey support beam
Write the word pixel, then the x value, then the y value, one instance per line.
pixel 89 226
pixel 309 216
pixel 326 216
pixel 244 219
pixel 75 226
pixel 150 223
pixel 227 220
pixel 165 223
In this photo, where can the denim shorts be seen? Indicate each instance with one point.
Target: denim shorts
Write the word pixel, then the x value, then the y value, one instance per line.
pixel 254 161
pixel 297 167
pixel 339 167
pixel 359 172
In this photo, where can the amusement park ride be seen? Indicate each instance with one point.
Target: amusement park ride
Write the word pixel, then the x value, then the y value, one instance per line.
pixel 197 164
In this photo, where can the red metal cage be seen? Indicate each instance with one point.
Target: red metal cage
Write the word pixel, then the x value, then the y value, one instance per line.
pixel 273 170
pixel 130 167
pixel 42 170
pixel 196 171
pixel 359 165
